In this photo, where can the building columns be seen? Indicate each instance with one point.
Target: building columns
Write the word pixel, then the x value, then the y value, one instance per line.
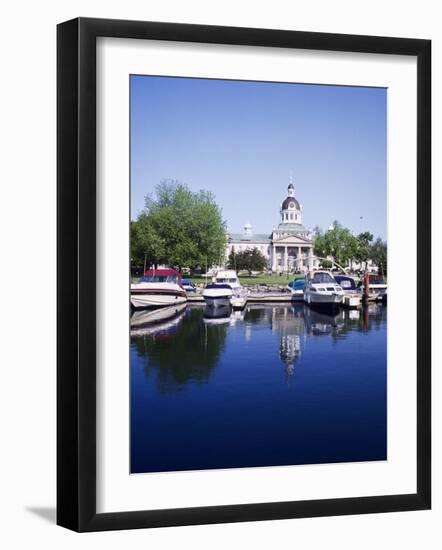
pixel 310 259
pixel 285 259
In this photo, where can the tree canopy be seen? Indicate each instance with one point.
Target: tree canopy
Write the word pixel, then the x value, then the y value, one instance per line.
pixel 342 246
pixel 179 227
pixel 249 260
pixel 378 253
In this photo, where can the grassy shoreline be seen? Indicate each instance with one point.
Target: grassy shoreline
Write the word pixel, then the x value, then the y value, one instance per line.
pixel 245 281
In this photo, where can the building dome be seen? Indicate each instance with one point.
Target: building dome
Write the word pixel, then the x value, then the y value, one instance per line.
pixel 289 203
pixel 248 230
pixel 290 208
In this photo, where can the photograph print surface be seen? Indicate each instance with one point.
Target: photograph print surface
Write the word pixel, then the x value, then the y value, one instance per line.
pixel 258 267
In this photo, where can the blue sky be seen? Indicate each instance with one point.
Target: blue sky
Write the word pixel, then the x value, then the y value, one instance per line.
pixel 241 140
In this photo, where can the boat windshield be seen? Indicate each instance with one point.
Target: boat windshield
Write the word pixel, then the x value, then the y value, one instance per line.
pixel 376 280
pixel 322 278
pixel 346 282
pixel 221 280
pixel 298 284
pixel 159 279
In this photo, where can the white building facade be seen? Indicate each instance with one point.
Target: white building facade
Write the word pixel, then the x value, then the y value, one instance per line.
pixel 288 248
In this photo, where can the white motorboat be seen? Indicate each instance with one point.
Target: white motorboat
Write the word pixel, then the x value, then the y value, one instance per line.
pixel 352 294
pixel 225 284
pixel 377 289
pixel 217 295
pixel 322 289
pixel 296 288
pixel 158 288
pixel 227 277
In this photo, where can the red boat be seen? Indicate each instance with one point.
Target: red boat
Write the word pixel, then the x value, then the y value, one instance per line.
pixel 158 288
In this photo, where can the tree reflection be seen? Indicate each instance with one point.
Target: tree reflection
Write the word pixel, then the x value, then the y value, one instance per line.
pixel 189 354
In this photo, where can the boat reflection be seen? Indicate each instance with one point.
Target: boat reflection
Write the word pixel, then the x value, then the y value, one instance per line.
pixel 217 315
pixel 179 355
pixel 320 323
pixel 156 320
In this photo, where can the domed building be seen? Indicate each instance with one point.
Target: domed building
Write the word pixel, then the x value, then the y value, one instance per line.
pixel 289 246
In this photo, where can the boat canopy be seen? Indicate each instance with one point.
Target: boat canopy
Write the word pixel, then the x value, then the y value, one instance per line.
pixel 160 276
pixel 322 277
pixel 297 284
pixel 347 283
pixel 376 280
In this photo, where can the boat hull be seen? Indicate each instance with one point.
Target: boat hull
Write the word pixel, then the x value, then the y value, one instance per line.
pixel 320 298
pixel 297 295
pixel 219 301
pixel 217 297
pixel 156 300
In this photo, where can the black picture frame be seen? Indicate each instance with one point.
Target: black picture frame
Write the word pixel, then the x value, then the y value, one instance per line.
pixel 76 274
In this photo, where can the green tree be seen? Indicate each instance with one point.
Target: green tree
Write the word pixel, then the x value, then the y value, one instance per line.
pixel 319 242
pixel 248 260
pixel 179 227
pixel 378 254
pixel 147 247
pixel 231 261
pixel 338 243
pixel 363 246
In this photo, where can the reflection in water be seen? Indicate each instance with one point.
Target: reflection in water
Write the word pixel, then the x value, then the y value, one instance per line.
pixel 335 359
pixel 156 321
pixel 184 351
pixel 217 315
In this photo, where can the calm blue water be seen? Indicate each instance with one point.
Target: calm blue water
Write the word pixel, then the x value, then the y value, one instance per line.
pixel 273 385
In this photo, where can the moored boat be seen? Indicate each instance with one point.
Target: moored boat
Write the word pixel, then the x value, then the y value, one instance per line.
pixel 352 295
pixel 377 289
pixel 188 286
pixel 158 288
pixel 225 284
pixel 227 277
pixel 321 288
pixel 217 295
pixel 296 288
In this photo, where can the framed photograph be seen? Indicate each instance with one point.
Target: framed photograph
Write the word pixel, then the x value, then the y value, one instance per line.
pixel 243 274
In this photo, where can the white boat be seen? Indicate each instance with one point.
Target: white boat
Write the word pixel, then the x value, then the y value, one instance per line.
pixel 322 289
pixel 227 277
pixel 377 289
pixel 217 295
pixel 225 284
pixel 158 288
pixel 352 294
pixel 296 288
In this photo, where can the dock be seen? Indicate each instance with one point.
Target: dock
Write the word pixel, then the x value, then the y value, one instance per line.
pixel 254 298
pixel 349 302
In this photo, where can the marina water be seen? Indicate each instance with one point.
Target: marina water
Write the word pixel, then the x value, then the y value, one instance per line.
pixel 271 385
